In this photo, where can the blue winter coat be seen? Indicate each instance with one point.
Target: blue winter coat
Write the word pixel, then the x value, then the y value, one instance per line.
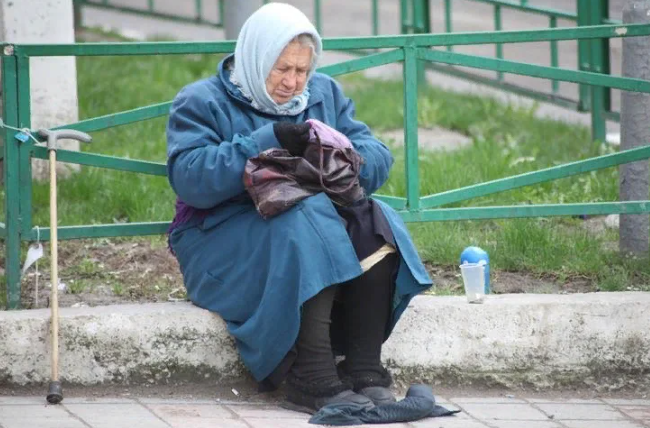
pixel 257 273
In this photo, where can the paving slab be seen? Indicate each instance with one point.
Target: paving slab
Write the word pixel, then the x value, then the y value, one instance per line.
pixel 637 412
pixel 199 412
pixel 581 411
pixel 191 411
pixel 488 400
pixel 526 424
pixel 41 416
pixel 264 411
pixel 97 400
pixel 448 422
pixel 602 424
pixel 206 423
pixel 564 400
pixel 116 415
pixel 23 400
pixel 627 402
pixel 507 412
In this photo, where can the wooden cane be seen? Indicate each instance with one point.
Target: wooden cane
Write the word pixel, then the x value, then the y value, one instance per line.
pixel 55 391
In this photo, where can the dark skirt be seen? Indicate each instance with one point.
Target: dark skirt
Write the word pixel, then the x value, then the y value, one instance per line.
pixel 368 230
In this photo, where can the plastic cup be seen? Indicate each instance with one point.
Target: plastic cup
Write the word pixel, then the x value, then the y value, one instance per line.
pixel 474 281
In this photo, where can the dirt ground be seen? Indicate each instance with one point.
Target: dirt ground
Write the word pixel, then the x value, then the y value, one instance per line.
pixel 246 391
pixel 106 272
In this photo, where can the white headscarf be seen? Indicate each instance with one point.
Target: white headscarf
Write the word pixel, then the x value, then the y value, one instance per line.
pixel 261 40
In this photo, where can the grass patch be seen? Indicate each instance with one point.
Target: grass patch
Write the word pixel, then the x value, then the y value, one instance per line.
pixel 506 141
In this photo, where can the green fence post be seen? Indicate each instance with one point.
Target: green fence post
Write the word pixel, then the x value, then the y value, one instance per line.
pixel 317 17
pixel 449 28
pixel 498 26
pixel 404 16
pixel 599 49
pixel 375 17
pixel 584 54
pixel 220 7
pixel 78 24
pixel 422 25
pixel 198 8
pixel 25 167
pixel 411 71
pixel 11 178
pixel 555 85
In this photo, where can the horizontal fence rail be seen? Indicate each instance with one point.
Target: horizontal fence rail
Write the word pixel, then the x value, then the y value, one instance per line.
pixel 338 43
pixel 592 55
pixel 410 50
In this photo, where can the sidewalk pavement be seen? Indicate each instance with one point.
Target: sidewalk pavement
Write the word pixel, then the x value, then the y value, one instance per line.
pixel 477 412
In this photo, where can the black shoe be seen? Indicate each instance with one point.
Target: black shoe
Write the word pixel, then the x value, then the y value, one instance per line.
pixel 372 384
pixel 378 394
pixel 309 397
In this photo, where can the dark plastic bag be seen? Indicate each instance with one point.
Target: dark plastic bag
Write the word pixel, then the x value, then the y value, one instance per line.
pixel 276 181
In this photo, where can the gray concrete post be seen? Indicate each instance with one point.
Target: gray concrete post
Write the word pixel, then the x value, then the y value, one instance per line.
pixel 53 83
pixel 635 131
pixel 236 12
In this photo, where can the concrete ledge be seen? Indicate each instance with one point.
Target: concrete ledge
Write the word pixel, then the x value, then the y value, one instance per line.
pixel 598 340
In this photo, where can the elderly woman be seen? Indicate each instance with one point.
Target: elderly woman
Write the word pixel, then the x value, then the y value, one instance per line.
pixel 316 281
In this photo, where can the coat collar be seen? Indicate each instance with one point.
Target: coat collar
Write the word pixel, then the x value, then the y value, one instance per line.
pixel 223 73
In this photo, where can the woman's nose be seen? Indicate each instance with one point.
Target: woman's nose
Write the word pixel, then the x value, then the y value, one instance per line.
pixel 290 80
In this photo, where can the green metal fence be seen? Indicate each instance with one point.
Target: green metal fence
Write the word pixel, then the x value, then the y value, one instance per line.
pixel 199 17
pixel 415 15
pixel 150 10
pixel 593 54
pixel 409 49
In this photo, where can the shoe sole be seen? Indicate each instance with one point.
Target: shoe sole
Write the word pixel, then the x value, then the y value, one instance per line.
pixel 297 408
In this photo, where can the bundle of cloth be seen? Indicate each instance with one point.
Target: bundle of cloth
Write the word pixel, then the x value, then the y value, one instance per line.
pixel 419 403
pixel 276 180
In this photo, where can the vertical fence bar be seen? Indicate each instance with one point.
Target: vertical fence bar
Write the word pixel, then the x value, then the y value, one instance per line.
pixel 599 49
pixel 584 54
pixel 448 21
pixel 12 181
pixel 411 128
pixel 150 5
pixel 375 17
pixel 422 25
pixel 77 14
pixel 25 167
pixel 221 9
pixel 199 10
pixel 404 15
pixel 555 85
pixel 498 26
pixel 417 14
pixel 317 17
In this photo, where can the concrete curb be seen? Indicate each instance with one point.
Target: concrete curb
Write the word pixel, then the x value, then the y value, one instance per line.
pixel 543 341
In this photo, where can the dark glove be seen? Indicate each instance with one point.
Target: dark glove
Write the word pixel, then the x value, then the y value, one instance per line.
pixel 293 137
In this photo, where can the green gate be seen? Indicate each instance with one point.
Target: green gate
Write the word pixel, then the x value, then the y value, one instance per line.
pixel 408 49
pixel 593 55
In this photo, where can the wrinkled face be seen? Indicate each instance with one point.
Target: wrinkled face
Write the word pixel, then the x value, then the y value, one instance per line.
pixel 289 73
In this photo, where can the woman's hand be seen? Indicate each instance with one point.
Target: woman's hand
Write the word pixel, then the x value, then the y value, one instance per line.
pixel 293 137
